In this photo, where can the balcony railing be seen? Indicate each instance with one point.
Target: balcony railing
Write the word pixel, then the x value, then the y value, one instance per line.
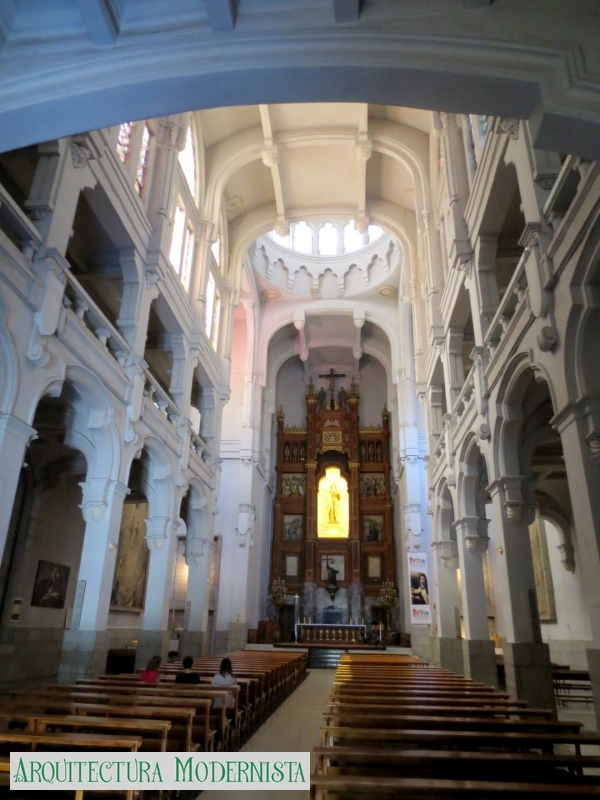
pixel 465 394
pixel 515 292
pixel 94 319
pixel 18 226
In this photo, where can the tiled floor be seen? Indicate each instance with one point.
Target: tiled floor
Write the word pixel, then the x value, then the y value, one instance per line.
pixel 294 727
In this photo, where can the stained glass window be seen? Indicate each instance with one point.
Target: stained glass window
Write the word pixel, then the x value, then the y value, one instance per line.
pixel 187 160
pixel 123 140
pixel 302 237
pixel 328 240
pixel 374 232
pixel 353 240
pixel 186 264
pixel 143 160
pixel 177 238
pixel 210 302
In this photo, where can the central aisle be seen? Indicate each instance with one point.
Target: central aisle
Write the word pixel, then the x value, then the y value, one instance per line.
pixel 293 727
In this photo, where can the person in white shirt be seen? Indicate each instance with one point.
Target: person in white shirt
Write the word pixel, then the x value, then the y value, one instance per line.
pixel 224 678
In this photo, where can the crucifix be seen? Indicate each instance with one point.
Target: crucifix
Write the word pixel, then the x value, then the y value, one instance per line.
pixel 332 376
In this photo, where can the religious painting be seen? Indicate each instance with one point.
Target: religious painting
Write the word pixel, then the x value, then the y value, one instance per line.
pixel 129 580
pixel 293 525
pixel 50 587
pixel 373 528
pixel 372 485
pixel 544 585
pixel 333 506
pixel 333 567
pixel 420 608
pixel 373 572
pixel 291 567
pixel 293 485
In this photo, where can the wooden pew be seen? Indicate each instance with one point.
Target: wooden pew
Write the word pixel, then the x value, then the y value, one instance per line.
pixel 438 789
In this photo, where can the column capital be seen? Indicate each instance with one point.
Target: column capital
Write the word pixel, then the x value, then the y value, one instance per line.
pixel 98 494
pixel 195 550
pixel 159 530
pixel 473 531
pixel 512 491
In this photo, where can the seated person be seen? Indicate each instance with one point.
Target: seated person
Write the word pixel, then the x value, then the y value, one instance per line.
pixel 224 678
pixel 151 673
pixel 187 676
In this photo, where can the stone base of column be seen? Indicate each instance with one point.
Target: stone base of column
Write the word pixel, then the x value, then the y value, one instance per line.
pixel 593 660
pixel 422 643
pixel 27 653
pixel 191 644
pixel 479 658
pixel 84 654
pixel 529 673
pixel 151 643
pixel 448 653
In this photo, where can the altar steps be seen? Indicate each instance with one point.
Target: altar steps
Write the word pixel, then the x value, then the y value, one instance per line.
pixel 324 658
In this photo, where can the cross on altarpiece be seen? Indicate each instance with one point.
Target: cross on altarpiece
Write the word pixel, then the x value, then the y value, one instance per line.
pixel 332 377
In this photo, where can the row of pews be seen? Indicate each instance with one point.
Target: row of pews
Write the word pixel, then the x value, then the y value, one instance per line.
pixel 118 713
pixel 396 727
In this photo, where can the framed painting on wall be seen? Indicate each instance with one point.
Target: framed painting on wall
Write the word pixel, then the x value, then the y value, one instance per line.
pixel 129 581
pixel 337 563
pixel 51 583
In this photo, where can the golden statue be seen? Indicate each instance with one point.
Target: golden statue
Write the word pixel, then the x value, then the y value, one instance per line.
pixel 333 511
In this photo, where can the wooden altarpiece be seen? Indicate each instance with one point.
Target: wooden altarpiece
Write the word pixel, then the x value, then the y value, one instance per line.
pixel 333 437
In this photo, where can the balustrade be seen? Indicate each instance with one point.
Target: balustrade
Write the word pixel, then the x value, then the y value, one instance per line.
pixel 18 226
pixel 514 295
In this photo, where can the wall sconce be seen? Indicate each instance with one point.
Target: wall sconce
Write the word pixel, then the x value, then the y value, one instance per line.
pixel 500 550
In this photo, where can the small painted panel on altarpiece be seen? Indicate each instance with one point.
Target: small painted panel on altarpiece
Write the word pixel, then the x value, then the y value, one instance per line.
pixel 293 525
pixel 291 566
pixel 293 485
pixel 372 485
pixel 373 569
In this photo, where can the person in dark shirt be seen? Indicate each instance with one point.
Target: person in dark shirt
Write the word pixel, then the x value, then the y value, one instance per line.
pixel 187 676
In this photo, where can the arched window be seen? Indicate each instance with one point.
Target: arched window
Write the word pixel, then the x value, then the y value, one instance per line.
pixel 302 237
pixel 353 239
pixel 124 141
pixel 187 160
pixel 328 240
pixel 213 311
pixel 374 232
pixel 177 238
pixel 142 160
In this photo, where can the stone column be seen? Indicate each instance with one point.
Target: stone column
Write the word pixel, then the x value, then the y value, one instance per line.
pixel 153 638
pixel 85 646
pixel 526 657
pixel 581 448
pixel 478 649
pixel 15 437
pixel 198 557
pixel 447 645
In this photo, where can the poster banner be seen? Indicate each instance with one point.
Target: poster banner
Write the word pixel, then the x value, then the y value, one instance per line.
pixel 420 610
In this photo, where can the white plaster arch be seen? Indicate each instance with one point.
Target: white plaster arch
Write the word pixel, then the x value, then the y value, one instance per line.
pixel 158 478
pixel 468 504
pixel 9 364
pixel 517 375
pixel 93 430
pixel 285 316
